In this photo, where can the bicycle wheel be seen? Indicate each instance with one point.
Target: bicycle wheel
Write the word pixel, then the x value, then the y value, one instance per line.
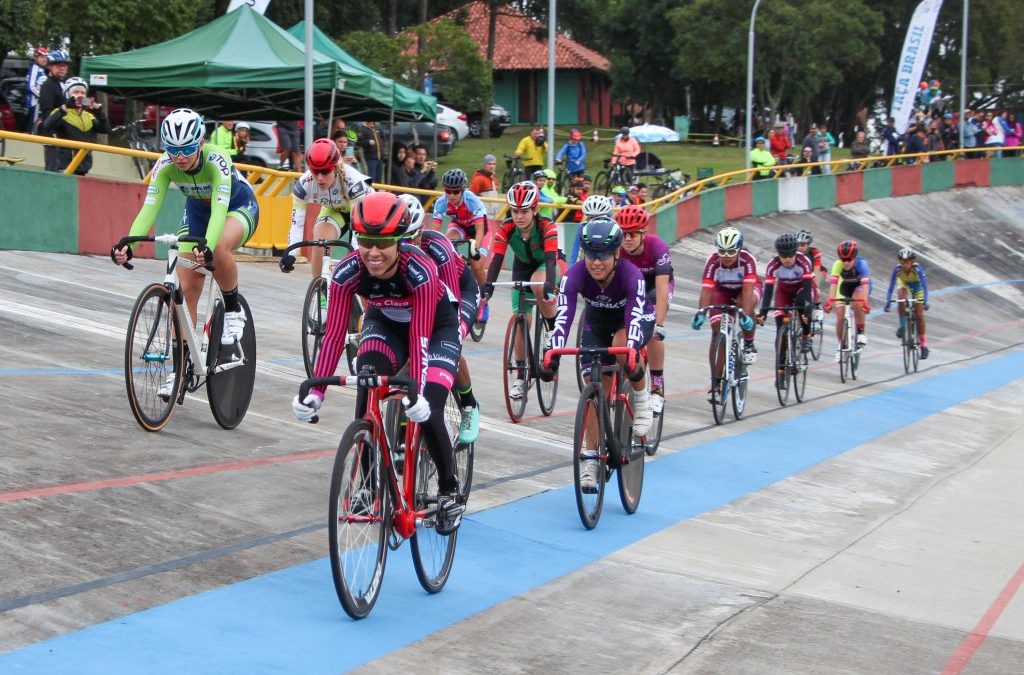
pixel 514 369
pixel 547 392
pixel 588 414
pixel 817 338
pixel 359 520
pixel 432 553
pixel 782 364
pixel 631 473
pixel 602 184
pixel 854 351
pixel 355 329
pixel 844 351
pixel 739 390
pixel 314 318
pixel 151 356
pixel 580 383
pixel 476 331
pixel 463 451
pixel 230 390
pixel 720 384
pixel 799 365
pixel 659 191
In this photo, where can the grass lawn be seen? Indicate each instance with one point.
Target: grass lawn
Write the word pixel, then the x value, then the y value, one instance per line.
pixel 468 153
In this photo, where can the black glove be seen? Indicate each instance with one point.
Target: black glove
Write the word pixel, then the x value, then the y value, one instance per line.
pixel 207 256
pixel 115 248
pixel 286 263
pixel 549 290
pixel 487 290
pixel 549 375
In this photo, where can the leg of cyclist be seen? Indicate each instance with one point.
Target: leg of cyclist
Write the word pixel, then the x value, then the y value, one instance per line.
pixel 323 228
pixel 643 416
pixel 469 428
pixel 840 323
pixel 660 296
pixel 748 299
pixel 520 272
pixel 860 314
pixel 596 333
pixel 901 294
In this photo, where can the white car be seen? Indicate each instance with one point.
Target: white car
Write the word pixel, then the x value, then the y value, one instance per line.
pixel 454 120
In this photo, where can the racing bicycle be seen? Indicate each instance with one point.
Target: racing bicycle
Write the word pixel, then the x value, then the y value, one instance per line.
pixel 911 342
pixel 790 358
pixel 729 374
pixel 522 356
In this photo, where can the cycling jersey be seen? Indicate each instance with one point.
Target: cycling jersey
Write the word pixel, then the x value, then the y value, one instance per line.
pixel 792 277
pixel 915 281
pixel 730 279
pixel 848 280
pixel 463 217
pixel 212 191
pixel 410 297
pixel 543 240
pixel 456 275
pixel 575 155
pixel 333 200
pixel 654 261
pixel 623 300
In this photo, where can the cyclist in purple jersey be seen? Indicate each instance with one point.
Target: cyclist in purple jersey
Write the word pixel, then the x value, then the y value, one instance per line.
pixel 410 316
pixel 651 256
pixel 456 275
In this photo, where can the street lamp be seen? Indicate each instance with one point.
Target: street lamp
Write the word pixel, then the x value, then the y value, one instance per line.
pixel 750 77
pixel 963 75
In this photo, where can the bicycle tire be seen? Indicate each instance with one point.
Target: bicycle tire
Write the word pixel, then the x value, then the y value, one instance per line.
pixel 580 382
pixel 739 390
pixel 314 319
pixel 602 184
pixel 854 353
pixel 358 534
pixel 463 451
pixel 782 364
pixel 800 366
pixel 659 191
pixel 909 340
pixel 512 370
pixel 355 327
pixel 229 392
pixel 844 351
pixel 817 338
pixel 720 384
pixel 432 553
pixel 149 348
pixel 588 410
pixel 547 392
pixel 631 474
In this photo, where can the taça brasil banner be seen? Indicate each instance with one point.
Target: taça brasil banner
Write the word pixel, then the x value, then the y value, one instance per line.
pixel 915 54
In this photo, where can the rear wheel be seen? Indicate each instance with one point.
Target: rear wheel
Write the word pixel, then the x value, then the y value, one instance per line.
pixel 588 414
pixel 720 383
pixel 854 350
pixel 230 390
pixel 631 473
pixel 314 318
pixel 359 520
pixel 739 390
pixel 547 392
pixel 463 451
pixel 515 369
pixel 782 364
pixel 152 355
pixel 432 553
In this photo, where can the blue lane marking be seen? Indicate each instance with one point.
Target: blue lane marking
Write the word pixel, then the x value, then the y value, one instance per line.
pixel 290 621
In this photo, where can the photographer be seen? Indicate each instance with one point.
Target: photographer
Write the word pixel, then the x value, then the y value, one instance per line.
pixel 532 148
pixel 79 118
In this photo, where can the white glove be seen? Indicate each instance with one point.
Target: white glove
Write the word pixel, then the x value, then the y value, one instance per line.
pixel 659 332
pixel 420 412
pixel 304 410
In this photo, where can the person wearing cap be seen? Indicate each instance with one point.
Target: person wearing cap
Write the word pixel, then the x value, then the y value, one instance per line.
pixel 243 134
pixel 79 118
pixel 545 180
pixel 574 154
pixel 36 76
pixel 223 138
pixel 627 149
pixel 485 183
pixel 51 97
pixel 532 148
pixel 761 158
pixel 620 197
pixel 949 132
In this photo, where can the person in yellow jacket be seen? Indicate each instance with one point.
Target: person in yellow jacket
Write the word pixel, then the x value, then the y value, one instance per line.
pixel 223 137
pixel 761 157
pixel 532 148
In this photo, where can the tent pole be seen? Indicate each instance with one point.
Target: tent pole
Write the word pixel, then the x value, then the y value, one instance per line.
pixel 330 118
pixel 391 146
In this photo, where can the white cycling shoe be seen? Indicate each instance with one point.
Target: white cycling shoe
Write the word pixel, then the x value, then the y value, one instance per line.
pixel 643 416
pixel 516 390
pixel 588 473
pixel 862 340
pixel 166 388
pixel 234 328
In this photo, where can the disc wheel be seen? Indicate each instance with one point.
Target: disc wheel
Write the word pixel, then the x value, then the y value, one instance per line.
pixel 631 472
pixel 359 520
pixel 720 383
pixel 152 354
pixel 432 553
pixel 230 391
pixel 782 364
pixel 547 392
pixel 592 442
pixel 514 369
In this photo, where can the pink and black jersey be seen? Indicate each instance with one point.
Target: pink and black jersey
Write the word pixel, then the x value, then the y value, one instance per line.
pixel 450 265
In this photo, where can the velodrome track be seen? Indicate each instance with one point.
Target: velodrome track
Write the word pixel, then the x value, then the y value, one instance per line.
pixel 877 527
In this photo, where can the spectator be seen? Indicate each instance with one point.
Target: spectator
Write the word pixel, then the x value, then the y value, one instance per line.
pixel 806 157
pixel 950 133
pixel 243 135
pixel 620 197
pixel 972 131
pixel 406 174
pixel 36 76
pixel 290 146
pixel 761 158
pixel 79 118
pixel 398 154
pixel 348 154
pixel 811 139
pixel 485 183
pixel 574 153
pixel 859 149
pixel 223 138
pixel 891 137
pixel 995 137
pixel 917 141
pixel 627 149
pixel 545 180
pixel 576 196
pixel 51 97
pixel 641 193
pixel 531 148
pixel 779 144
pixel 825 144
pixel 426 167
pixel 1012 130
pixel 373 150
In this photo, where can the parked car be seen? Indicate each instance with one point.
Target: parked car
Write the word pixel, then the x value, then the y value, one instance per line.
pixel 263 142
pixel 7 122
pixel 500 120
pixel 409 133
pixel 454 120
pixel 12 95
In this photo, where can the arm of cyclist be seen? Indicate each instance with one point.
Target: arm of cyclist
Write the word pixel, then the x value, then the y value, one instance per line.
pixel 143 223
pixel 342 292
pixel 892 285
pixel 550 243
pixel 924 284
pixel 449 263
pixel 565 312
pixel 425 298
pixel 766 299
pixel 661 283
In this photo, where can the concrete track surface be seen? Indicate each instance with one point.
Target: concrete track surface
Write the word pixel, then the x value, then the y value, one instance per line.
pixel 877 527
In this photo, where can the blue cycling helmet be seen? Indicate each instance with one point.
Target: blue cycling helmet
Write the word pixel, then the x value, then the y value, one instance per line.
pixel 58 56
pixel 601 235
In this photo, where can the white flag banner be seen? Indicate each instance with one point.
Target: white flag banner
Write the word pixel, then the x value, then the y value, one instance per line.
pixel 912 61
pixel 259 5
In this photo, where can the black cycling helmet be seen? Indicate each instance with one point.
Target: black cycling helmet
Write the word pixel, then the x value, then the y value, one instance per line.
pixel 786 245
pixel 454 179
pixel 804 237
pixel 601 235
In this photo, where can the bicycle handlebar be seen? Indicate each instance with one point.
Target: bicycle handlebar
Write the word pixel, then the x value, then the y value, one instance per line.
pixel 364 380
pixel 321 243
pixel 518 284
pixel 724 308
pixel 171 240
pixel 472 252
pixel 630 353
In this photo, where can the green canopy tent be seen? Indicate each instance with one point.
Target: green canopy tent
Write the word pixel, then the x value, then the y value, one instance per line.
pixel 241 65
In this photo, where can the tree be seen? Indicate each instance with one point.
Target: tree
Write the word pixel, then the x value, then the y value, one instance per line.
pixel 384 54
pixel 20 24
pixel 454 59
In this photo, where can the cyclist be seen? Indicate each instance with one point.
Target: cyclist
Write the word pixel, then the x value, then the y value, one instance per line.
pixel 908 278
pixel 730 278
pixel 850 279
pixel 574 154
pixel 409 317
pixel 457 277
pixel 534 243
pixel 651 256
pixel 462 215
pixel 618 313
pixel 593 207
pixel 334 185
pixel 804 239
pixel 627 149
pixel 219 205
pixel 792 271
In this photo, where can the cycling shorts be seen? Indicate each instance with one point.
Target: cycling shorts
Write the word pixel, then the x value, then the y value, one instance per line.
pixel 390 339
pixel 196 218
pixel 723 296
pixel 599 329
pixel 847 288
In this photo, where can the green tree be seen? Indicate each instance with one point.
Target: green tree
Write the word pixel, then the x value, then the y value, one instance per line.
pixel 451 55
pixel 20 23
pixel 384 54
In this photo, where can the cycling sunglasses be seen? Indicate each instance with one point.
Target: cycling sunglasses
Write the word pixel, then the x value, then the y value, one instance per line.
pixel 183 151
pixel 456 191
pixel 322 172
pixel 382 243
pixel 728 252
pixel 591 255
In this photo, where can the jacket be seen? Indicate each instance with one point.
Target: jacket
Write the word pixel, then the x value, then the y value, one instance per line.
pixel 761 157
pixel 224 139
pixel 76 125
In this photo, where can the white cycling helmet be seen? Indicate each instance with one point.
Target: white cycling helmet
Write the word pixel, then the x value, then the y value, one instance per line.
pixel 597 205
pixel 73 82
pixel 182 128
pixel 416 214
pixel 729 239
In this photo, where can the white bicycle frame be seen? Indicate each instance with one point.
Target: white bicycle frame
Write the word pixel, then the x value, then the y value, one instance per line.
pixel 851 329
pixel 213 294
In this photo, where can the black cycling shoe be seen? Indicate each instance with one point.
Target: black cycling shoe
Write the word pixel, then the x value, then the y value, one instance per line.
pixel 899 333
pixel 449 513
pixel 924 353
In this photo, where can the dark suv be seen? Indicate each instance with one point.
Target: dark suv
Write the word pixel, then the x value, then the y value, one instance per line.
pixel 500 120
pixel 423 133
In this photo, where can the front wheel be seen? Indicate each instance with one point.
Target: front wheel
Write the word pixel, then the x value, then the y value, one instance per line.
pixel 782 364
pixel 516 369
pixel 580 382
pixel 547 392
pixel 800 366
pixel 588 445
pixel 153 356
pixel 359 520
pixel 844 353
pixel 314 318
pixel 720 374
pixel 739 389
pixel 631 455
pixel 817 337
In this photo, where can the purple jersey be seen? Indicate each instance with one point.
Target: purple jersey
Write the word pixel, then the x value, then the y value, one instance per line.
pixel 625 295
pixel 655 260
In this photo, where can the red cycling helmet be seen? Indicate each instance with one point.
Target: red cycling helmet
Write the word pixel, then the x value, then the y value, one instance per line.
pixel 323 156
pixel 847 250
pixel 523 195
pixel 380 214
pixel 632 218
pixel 575 135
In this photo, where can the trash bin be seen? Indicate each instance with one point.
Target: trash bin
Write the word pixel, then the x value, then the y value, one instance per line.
pixel 682 126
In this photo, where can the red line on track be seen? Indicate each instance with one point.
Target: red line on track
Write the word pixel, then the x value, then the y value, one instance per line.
pixel 977 636
pixel 70 488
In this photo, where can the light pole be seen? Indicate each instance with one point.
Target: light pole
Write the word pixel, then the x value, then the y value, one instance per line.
pixel 963 75
pixel 308 102
pixel 551 84
pixel 750 77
